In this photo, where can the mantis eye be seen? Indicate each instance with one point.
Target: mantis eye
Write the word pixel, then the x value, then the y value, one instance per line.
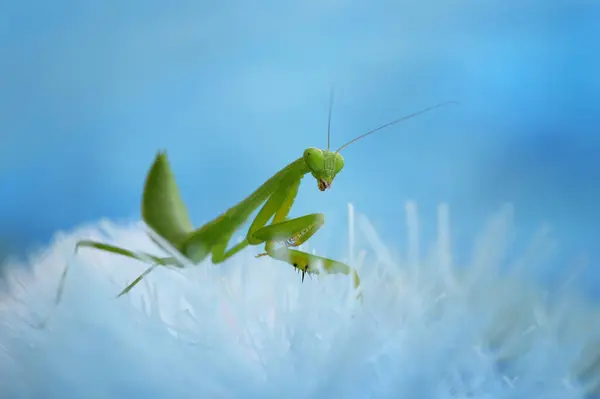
pixel 339 163
pixel 315 160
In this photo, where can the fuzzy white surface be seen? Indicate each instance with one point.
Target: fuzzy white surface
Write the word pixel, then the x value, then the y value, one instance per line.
pixel 249 329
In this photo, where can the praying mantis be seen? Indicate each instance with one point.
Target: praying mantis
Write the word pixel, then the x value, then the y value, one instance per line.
pixel 164 211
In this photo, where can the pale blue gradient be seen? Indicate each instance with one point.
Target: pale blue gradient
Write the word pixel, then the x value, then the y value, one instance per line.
pixel 234 91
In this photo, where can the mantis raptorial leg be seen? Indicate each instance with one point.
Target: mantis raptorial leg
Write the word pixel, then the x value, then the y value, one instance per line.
pixel 165 213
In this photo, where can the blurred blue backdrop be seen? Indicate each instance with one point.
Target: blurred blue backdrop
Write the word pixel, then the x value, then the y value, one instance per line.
pixel 236 90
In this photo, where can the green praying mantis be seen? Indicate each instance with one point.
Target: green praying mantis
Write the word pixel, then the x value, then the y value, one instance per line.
pixel 164 212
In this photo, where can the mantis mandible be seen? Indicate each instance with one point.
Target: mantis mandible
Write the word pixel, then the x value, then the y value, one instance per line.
pixel 165 213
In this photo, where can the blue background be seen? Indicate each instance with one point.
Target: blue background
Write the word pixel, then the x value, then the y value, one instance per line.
pixel 234 91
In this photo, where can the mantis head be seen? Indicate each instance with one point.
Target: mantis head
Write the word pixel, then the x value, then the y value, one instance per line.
pixel 324 165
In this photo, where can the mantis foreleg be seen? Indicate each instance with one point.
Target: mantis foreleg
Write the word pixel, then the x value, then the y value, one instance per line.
pixel 292 233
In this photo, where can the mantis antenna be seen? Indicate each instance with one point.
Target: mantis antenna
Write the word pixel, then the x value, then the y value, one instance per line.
pixel 329 119
pixel 398 120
